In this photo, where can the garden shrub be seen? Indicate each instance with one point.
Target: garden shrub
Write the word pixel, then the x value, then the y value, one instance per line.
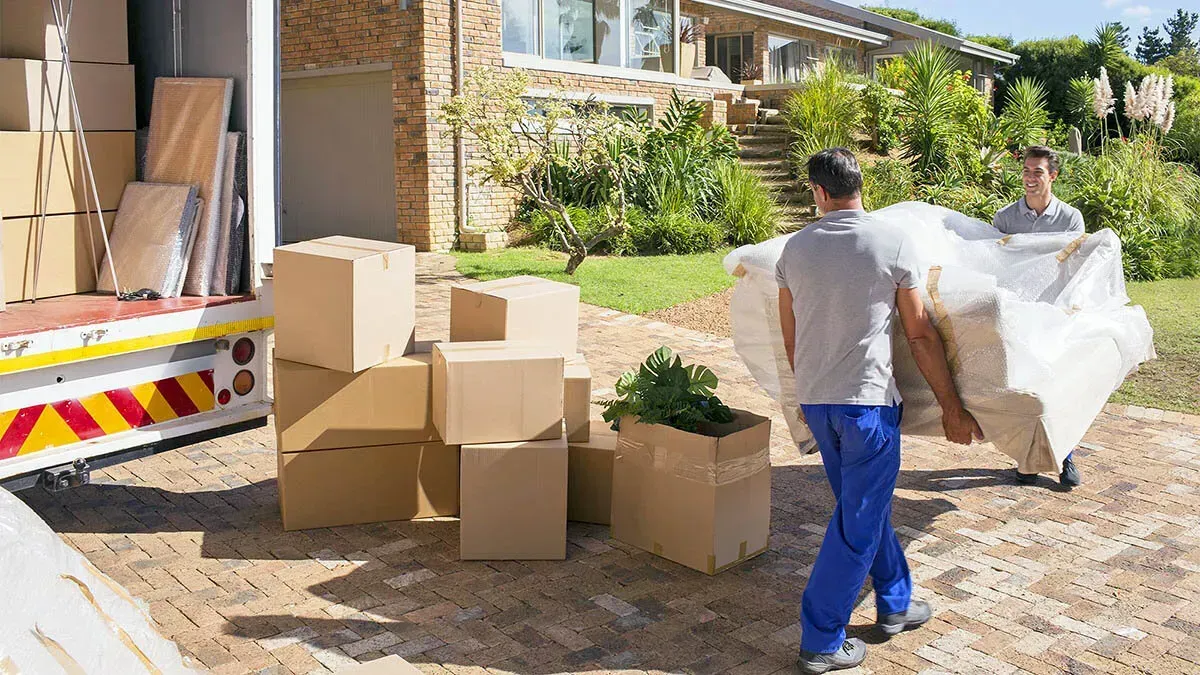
pixel 676 232
pixel 879 118
pixel 887 182
pixel 744 207
pixel 823 112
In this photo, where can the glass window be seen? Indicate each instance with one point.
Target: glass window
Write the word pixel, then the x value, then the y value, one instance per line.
pixel 729 52
pixel 608 32
pixel 789 58
pixel 847 57
pixel 518 26
pixel 651 35
pixel 570 33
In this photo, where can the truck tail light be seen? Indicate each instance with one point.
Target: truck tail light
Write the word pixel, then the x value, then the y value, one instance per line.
pixel 243 382
pixel 243 351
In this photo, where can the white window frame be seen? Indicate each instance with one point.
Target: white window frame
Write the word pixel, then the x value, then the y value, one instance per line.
pixel 808 62
pixel 540 46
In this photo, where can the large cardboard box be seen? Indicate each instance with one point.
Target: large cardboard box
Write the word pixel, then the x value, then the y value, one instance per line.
pixel 388 665
pixel 514 501
pixel 30 160
pixel 67 249
pixel 29 99
pixel 525 309
pixel 497 392
pixel 350 486
pixel 703 501
pixel 589 475
pixel 99 31
pixel 344 303
pixel 389 404
pixel 577 400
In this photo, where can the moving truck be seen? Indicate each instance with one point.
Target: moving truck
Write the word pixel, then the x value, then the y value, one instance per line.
pixel 87 380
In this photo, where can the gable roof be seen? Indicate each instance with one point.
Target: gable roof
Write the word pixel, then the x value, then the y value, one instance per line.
pixel 953 42
pixel 789 16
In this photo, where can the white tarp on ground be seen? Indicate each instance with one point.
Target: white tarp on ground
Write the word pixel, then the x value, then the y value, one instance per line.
pixel 1038 328
pixel 62 615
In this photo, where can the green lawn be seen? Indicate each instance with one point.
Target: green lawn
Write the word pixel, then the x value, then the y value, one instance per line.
pixel 1173 381
pixel 636 285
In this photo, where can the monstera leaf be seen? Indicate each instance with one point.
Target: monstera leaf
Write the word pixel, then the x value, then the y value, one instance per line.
pixel 664 391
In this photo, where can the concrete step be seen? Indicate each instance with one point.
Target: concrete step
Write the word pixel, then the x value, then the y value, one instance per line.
pixel 772 151
pixel 769 116
pixel 767 130
pixel 781 140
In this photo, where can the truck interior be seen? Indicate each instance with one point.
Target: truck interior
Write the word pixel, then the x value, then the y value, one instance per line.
pixel 167 38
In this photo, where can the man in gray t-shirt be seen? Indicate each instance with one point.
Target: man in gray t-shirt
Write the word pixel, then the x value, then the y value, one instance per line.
pixel 842 282
pixel 1041 211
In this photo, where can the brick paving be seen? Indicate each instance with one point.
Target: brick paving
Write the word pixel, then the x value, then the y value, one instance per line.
pixel 1024 579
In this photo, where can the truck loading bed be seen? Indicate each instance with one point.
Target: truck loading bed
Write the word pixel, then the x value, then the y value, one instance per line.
pixel 88 309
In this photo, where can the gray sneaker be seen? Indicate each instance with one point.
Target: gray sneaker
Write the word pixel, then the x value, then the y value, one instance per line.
pixel 917 614
pixel 851 654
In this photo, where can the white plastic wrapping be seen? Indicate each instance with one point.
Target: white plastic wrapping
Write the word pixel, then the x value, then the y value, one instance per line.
pixel 62 615
pixel 1038 328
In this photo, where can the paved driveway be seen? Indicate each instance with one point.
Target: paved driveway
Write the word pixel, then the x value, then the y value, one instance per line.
pixel 1024 579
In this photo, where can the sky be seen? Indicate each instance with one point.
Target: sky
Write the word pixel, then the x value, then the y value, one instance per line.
pixel 1031 19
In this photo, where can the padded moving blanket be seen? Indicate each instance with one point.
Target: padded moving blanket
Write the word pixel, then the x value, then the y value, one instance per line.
pixel 1038 330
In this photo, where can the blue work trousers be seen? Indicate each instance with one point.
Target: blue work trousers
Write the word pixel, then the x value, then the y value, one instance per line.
pixel 860 447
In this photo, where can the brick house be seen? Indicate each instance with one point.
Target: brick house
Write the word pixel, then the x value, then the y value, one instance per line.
pixel 365 153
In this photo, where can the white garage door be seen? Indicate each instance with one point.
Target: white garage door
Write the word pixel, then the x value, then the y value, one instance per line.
pixel 338 157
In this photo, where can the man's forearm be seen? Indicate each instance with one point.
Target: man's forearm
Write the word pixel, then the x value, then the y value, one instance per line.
pixel 930 356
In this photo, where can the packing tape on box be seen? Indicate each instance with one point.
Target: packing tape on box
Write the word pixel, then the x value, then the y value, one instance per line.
pixel 1071 248
pixel 683 466
pixel 944 325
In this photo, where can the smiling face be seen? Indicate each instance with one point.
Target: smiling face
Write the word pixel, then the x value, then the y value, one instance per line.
pixel 1037 178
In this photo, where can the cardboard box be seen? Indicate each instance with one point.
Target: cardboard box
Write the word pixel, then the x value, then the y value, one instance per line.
pixel 389 404
pixel 29 99
pixel 589 475
pixel 99 31
pixel 514 501
pixel 343 303
pixel 577 400
pixel 67 263
pixel 30 160
pixel 388 665
pixel 351 486
pixel 496 392
pixel 524 309
pixel 701 501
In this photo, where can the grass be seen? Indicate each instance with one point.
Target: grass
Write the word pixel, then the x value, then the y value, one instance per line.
pixel 1172 382
pixel 636 285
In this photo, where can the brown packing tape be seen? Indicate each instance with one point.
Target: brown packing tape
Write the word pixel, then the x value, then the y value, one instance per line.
pixel 741 550
pixel 120 632
pixel 739 271
pixel 1071 248
pixel 7 667
pixel 1003 241
pixel 656 549
pixel 69 665
pixel 742 559
pixel 944 325
pixel 683 466
pixel 712 564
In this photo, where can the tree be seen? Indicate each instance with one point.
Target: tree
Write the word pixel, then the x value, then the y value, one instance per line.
pixel 1106 47
pixel 1151 47
pixel 1179 30
pixel 519 146
pixel 1054 62
pixel 1186 62
pixel 911 16
pixel 1002 42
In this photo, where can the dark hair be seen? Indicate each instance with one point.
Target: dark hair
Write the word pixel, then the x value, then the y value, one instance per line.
pixel 836 170
pixel 1043 152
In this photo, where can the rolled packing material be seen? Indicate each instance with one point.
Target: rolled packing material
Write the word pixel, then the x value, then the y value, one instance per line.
pixel 189 119
pixel 230 214
pixel 1038 329
pixel 150 240
pixel 61 612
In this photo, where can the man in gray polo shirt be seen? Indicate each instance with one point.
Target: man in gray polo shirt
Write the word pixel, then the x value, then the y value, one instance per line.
pixel 1041 211
pixel 841 281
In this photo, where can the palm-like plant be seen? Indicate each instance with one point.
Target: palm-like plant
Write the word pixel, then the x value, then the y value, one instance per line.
pixel 824 112
pixel 1106 45
pixel 1025 118
pixel 928 108
pixel 1081 99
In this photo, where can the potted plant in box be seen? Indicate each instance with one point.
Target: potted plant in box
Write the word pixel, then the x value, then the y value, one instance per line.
pixel 751 73
pixel 691 476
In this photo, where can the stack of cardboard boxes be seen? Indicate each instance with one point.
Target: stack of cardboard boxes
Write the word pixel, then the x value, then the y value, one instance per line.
pixel 373 426
pixel 42 171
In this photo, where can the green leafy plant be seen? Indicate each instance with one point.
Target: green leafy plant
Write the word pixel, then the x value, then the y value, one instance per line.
pixel 880 120
pixel 664 391
pixel 887 182
pixel 928 107
pixel 1024 119
pixel 745 207
pixel 823 112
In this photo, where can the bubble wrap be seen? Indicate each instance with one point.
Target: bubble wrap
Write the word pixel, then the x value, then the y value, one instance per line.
pixel 1038 330
pixel 62 615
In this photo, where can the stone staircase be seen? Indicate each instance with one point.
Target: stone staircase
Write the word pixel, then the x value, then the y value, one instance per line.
pixel 764 151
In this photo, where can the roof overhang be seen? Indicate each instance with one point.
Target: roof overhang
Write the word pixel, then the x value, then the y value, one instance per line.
pixel 765 11
pixel 956 43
